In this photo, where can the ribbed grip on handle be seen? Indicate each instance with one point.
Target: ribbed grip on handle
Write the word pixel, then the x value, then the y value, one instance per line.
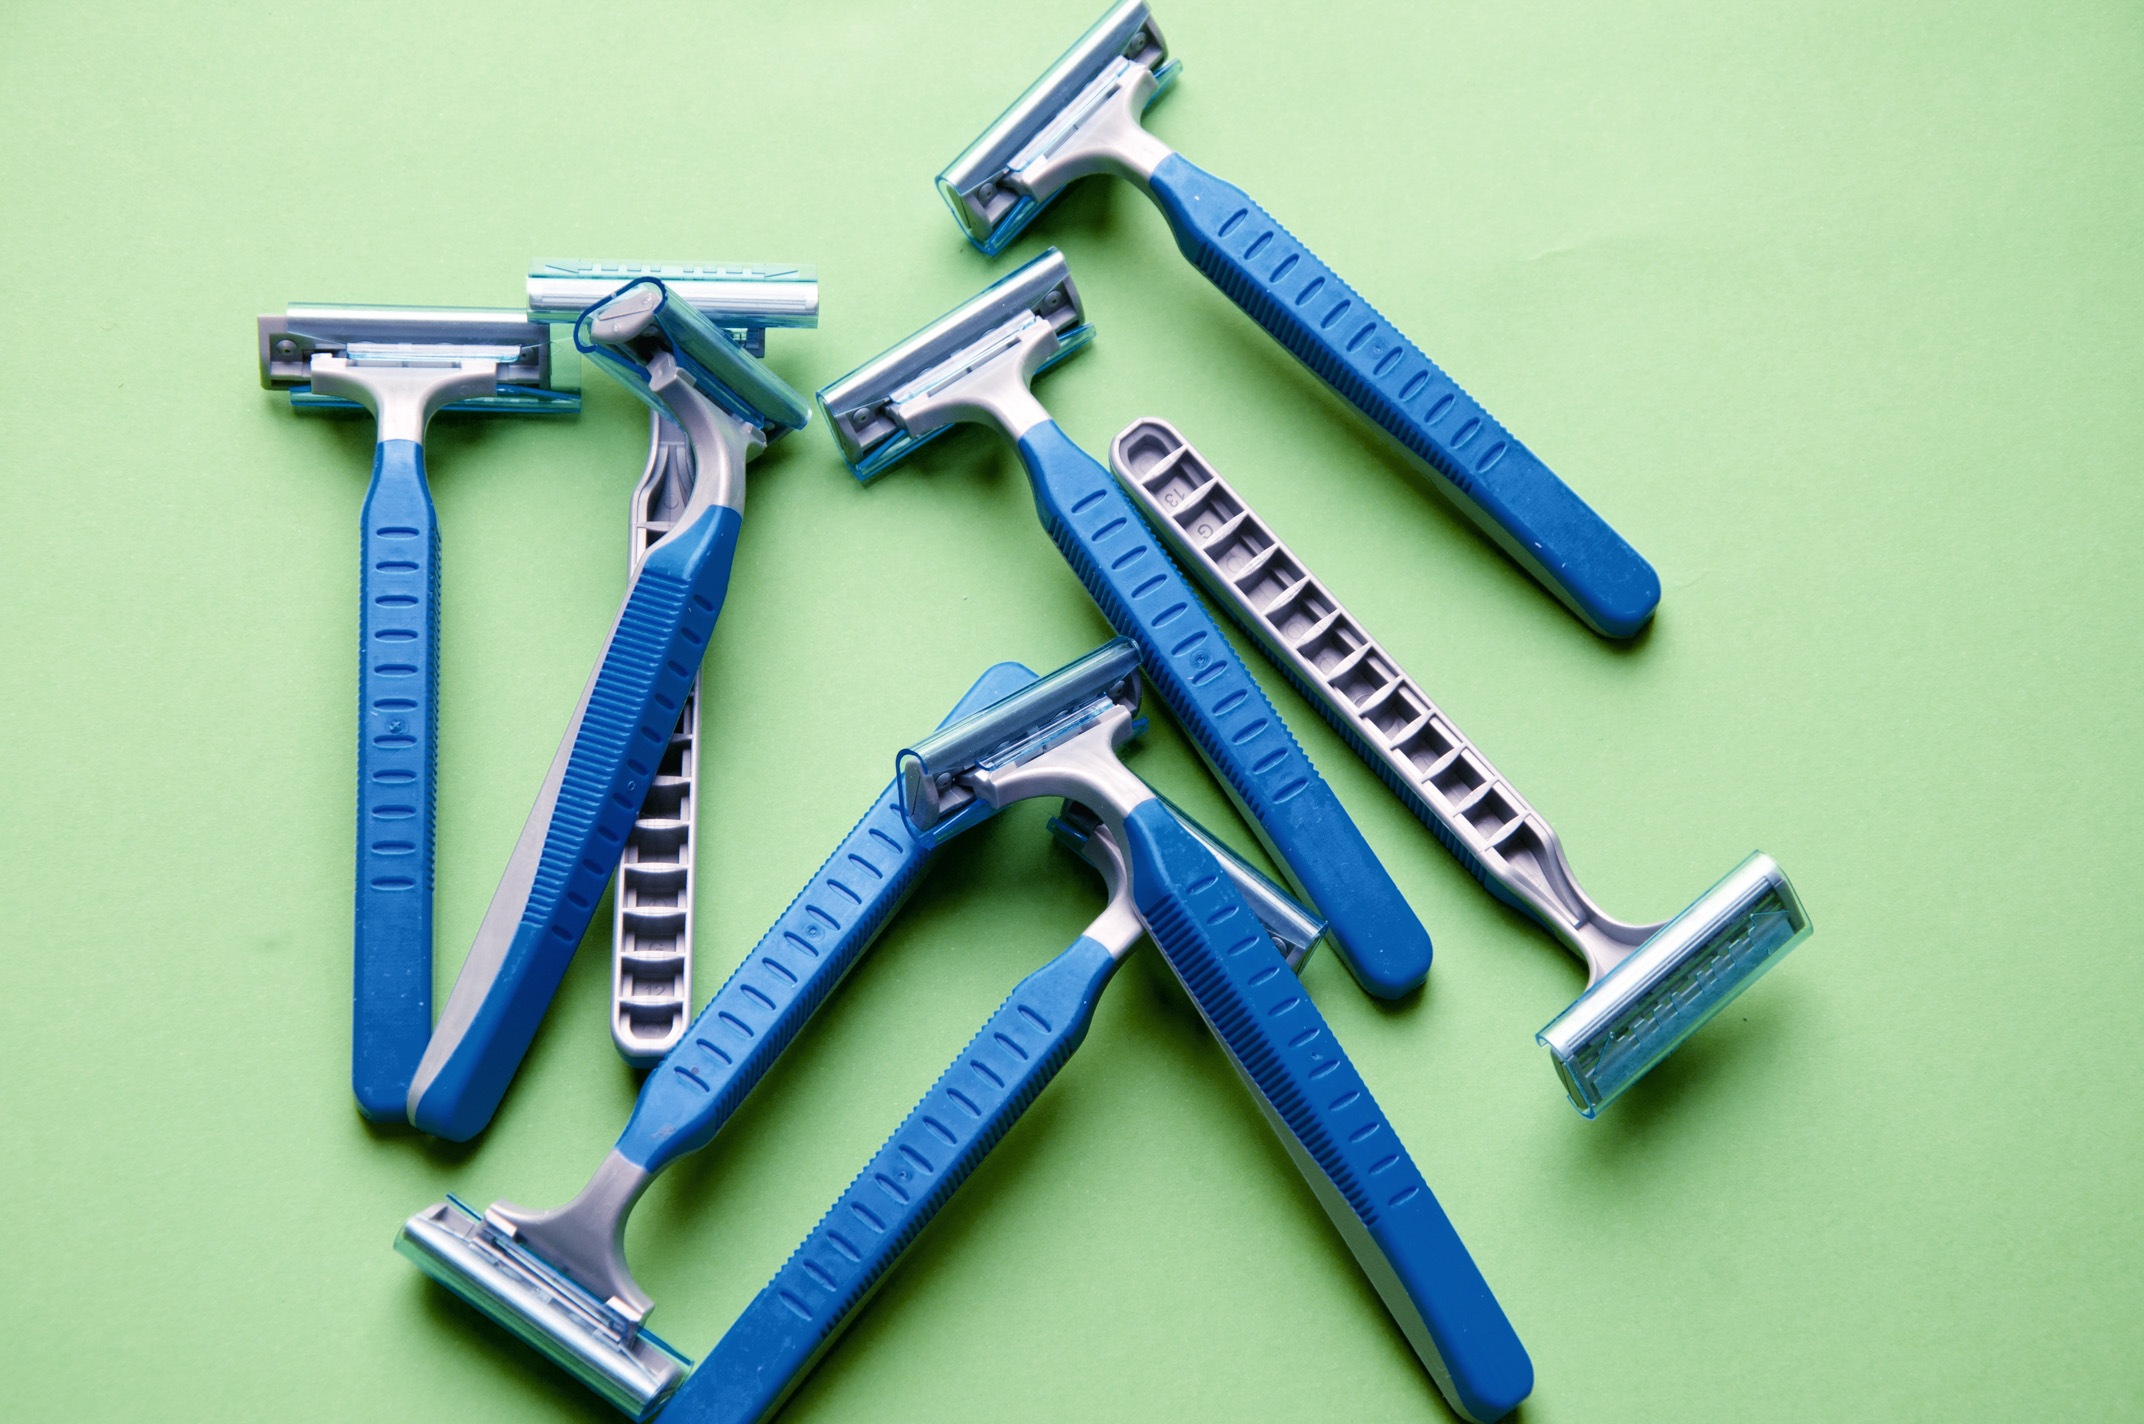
pixel 796 964
pixel 780 985
pixel 1215 699
pixel 782 1333
pixel 1333 1128
pixel 397 754
pixel 1500 484
pixel 653 654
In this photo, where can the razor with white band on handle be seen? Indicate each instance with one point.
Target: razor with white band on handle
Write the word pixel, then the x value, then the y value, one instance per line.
pixel 1648 986
pixel 1058 737
pixel 1083 116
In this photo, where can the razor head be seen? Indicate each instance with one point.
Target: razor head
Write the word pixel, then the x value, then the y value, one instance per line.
pixel 743 298
pixel 644 319
pixel 1045 713
pixel 625 1363
pixel 859 406
pixel 1294 930
pixel 537 368
pixel 974 184
pixel 1670 986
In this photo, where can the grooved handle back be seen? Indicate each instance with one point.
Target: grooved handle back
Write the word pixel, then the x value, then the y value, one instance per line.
pixel 1348 1152
pixel 971 1106
pixel 397 756
pixel 1226 713
pixel 1500 484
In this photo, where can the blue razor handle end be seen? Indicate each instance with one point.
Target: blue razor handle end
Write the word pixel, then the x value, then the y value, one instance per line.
pixel 1145 597
pixel 397 755
pixel 789 973
pixel 1349 1153
pixel 654 651
pixel 1500 484
pixel 782 1333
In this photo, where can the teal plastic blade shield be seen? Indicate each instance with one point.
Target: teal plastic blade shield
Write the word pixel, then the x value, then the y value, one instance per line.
pixel 1649 986
pixel 405 365
pixel 1083 116
pixel 742 298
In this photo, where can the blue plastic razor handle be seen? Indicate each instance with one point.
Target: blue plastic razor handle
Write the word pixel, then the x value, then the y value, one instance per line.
pixel 1500 484
pixel 397 755
pixel 647 668
pixel 1333 1128
pixel 1217 701
pixel 781 1334
pixel 789 973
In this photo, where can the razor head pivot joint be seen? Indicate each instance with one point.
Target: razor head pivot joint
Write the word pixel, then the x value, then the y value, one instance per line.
pixel 405 364
pixel 972 364
pixel 1080 117
pixel 626 333
pixel 482 1262
pixel 946 777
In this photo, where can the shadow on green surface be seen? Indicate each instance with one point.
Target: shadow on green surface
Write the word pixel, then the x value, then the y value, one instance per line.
pixel 512 1368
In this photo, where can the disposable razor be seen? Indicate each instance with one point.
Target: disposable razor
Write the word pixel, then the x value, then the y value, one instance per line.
pixel 974 364
pixel 1058 737
pixel 405 365
pixel 1083 116
pixel 559 1279
pixel 1648 986
pixel 730 407
pixel 651 930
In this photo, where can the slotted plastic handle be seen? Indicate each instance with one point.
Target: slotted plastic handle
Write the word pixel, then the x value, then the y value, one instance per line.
pixel 789 973
pixel 1500 484
pixel 971 1106
pixel 1216 700
pixel 1323 1112
pixel 397 741
pixel 654 651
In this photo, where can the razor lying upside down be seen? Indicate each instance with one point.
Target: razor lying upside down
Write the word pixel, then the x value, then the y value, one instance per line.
pixel 1649 986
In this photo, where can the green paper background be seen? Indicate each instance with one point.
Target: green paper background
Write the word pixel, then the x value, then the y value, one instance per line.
pixel 1831 309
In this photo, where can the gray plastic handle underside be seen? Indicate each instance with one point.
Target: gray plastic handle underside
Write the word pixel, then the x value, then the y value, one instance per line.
pixel 651 923
pixel 1360 689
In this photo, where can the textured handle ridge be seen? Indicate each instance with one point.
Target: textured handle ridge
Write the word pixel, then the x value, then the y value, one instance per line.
pixel 1215 699
pixel 654 652
pixel 1500 484
pixel 1340 1139
pixel 971 1106
pixel 796 964
pixel 397 755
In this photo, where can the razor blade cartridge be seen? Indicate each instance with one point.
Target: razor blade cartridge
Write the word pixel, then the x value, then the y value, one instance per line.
pixel 1046 713
pixel 743 298
pixel 1672 985
pixel 610 1352
pixel 537 369
pixel 859 406
pixel 987 187
pixel 644 319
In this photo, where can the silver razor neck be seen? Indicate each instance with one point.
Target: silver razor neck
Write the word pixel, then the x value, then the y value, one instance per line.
pixel 404 396
pixel 721 443
pixel 986 384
